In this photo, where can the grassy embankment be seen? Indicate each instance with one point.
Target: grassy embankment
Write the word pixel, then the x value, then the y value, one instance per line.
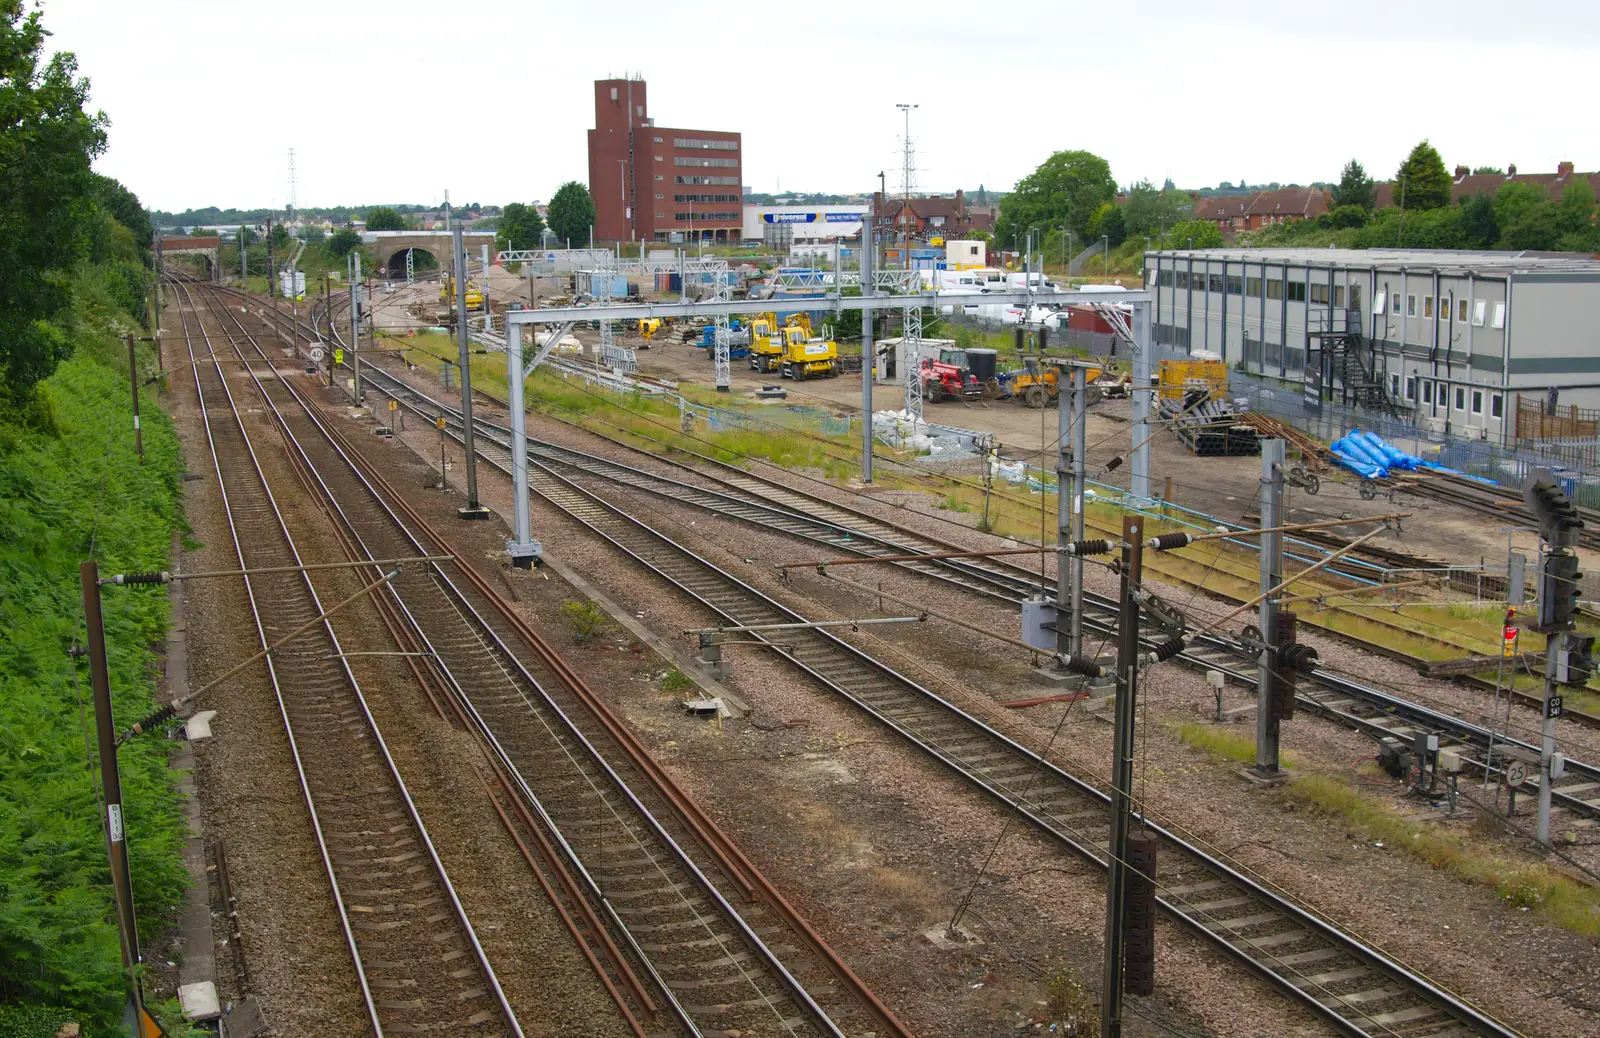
pixel 71 488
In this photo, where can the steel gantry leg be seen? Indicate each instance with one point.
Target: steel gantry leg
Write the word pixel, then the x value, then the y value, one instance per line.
pixel 1271 576
pixel 869 368
pixel 523 549
pixel 911 352
pixel 721 335
pixel 472 510
pixel 1139 475
pixel 1070 485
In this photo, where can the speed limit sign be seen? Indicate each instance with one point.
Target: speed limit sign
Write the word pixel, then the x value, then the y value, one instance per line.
pixel 317 354
pixel 1516 773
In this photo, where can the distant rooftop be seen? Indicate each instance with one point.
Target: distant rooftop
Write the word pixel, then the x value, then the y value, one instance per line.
pixel 1444 260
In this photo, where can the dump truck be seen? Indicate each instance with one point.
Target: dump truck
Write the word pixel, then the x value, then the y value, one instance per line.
pixel 806 357
pixel 447 293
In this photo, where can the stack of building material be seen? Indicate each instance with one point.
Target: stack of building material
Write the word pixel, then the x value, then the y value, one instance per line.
pixel 1210 428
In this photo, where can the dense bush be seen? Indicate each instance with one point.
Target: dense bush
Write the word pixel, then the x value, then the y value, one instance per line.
pixel 68 493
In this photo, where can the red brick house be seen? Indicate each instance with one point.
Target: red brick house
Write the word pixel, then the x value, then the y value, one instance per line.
pixel 1235 213
pixel 928 216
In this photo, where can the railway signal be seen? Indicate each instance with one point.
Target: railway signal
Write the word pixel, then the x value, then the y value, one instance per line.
pixel 1559 526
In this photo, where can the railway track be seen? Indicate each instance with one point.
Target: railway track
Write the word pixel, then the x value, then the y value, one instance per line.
pixel 683 927
pixel 417 959
pixel 762 503
pixel 1345 980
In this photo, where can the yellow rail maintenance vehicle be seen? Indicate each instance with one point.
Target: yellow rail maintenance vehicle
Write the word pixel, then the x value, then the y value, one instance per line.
pixel 805 357
pixel 766 342
pixel 1205 372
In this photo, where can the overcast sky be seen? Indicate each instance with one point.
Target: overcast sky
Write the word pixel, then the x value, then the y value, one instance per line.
pixel 397 101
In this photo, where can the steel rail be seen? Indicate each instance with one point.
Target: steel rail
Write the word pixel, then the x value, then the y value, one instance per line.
pixel 1200 916
pixel 732 862
pixel 998 580
pixel 372 1003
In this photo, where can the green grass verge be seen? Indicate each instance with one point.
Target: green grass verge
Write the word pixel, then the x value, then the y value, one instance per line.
pixel 1565 902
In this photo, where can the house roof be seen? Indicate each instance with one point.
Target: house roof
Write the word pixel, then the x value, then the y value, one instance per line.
pixel 1223 207
pixel 1472 184
pixel 1290 201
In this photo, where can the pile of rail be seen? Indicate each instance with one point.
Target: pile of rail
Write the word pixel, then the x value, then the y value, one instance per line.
pixel 1210 428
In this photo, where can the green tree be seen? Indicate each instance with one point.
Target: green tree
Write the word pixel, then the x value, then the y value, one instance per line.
pixel 1066 189
pixel 1476 220
pixel 1486 169
pixel 385 218
pixel 572 212
pixel 520 227
pixel 1198 234
pixel 280 236
pixel 1427 182
pixel 1575 211
pixel 124 206
pixel 314 235
pixel 1107 222
pixel 1516 200
pixel 46 191
pixel 1151 212
pixel 342 241
pixel 1355 187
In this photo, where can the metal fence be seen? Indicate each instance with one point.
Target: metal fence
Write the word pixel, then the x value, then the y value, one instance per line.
pixel 1328 422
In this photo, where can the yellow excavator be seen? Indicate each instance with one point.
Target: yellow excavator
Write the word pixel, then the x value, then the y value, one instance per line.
pixel 447 293
pixel 1037 385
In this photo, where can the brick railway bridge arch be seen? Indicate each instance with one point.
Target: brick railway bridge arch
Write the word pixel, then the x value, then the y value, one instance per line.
pixel 207 247
pixel 388 248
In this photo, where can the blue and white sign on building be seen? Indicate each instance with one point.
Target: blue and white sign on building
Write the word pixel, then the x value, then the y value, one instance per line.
pixel 806 221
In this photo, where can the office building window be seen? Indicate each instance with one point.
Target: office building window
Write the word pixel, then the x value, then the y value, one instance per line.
pixel 1235 285
pixel 1427 392
pixel 696 142
pixel 1274 288
pixel 1338 295
pixel 1252 287
pixel 1477 401
pixel 1427 306
pixel 656 140
pixel 1411 306
pixel 660 177
pixel 1164 279
pixel 661 196
pixel 690 160
pixel 1411 387
pixel 1494 405
pixel 1478 308
pixel 1395 309
pixel 1297 291
pixel 658 158
pixel 1216 283
pixel 1394 383
pixel 1181 279
pixel 1461 399
pixel 1319 292
pixel 1499 320
pixel 1380 304
pixel 715 181
pixel 1461 311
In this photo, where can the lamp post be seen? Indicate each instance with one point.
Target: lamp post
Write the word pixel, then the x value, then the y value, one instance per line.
pixel 1105 255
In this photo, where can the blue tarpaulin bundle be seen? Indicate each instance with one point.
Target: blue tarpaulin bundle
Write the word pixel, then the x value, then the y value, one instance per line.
pixel 1355 455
